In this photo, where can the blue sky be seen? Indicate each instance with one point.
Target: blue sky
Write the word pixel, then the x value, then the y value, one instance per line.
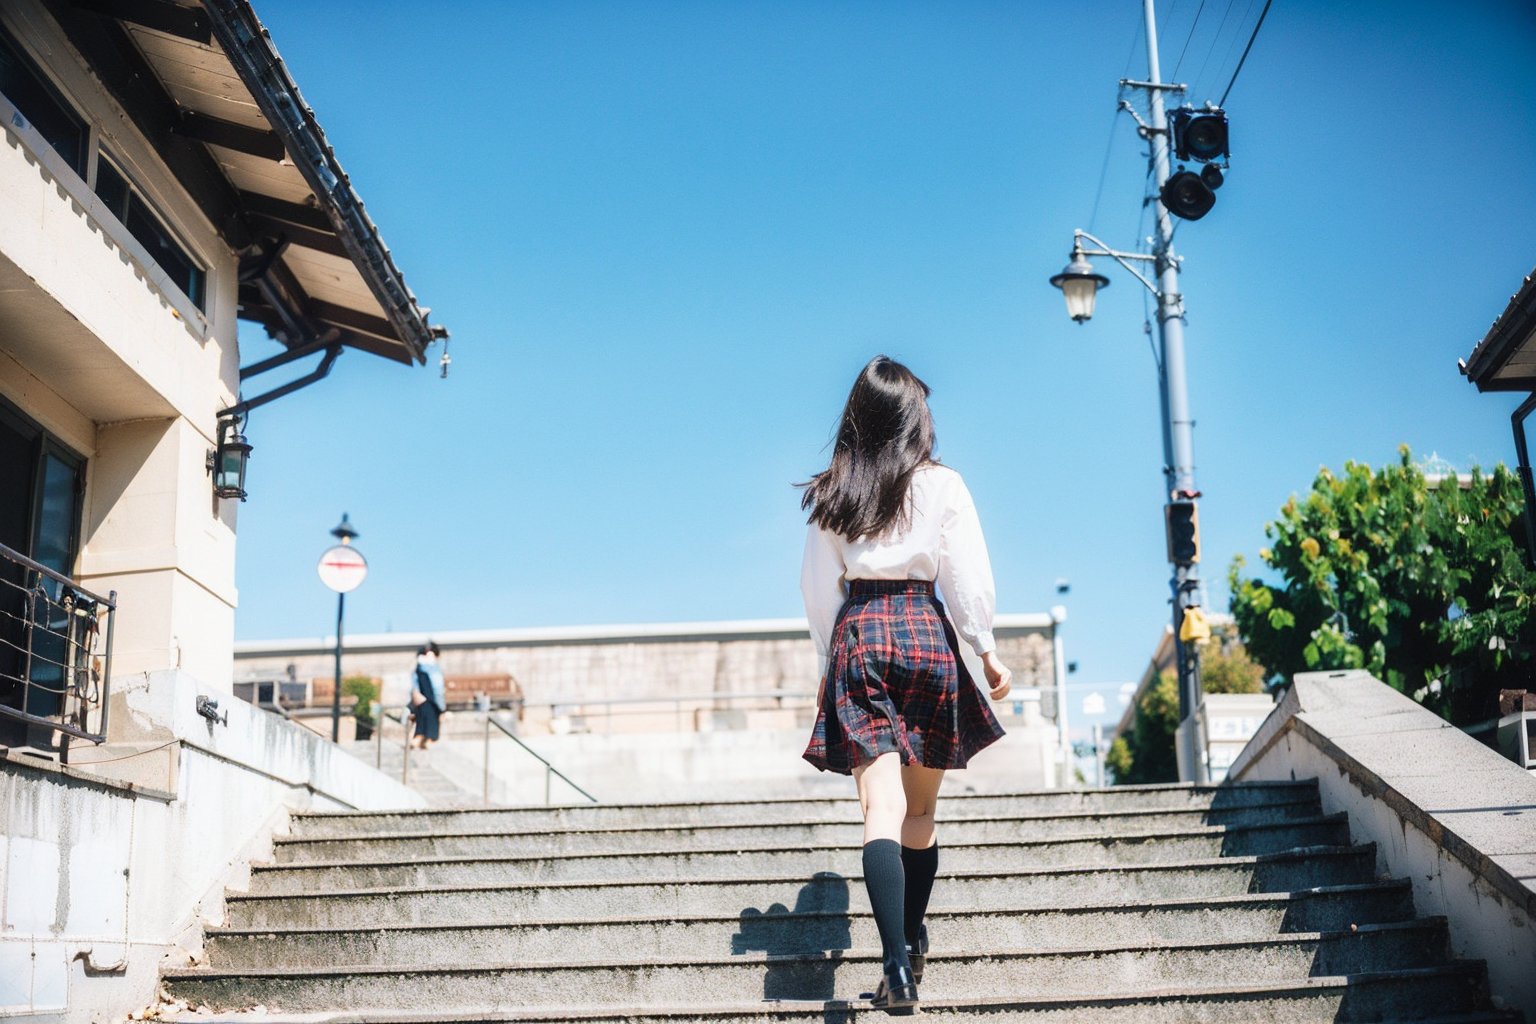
pixel 667 235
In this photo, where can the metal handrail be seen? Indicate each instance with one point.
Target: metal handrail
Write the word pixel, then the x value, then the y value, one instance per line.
pixel 549 770
pixel 403 717
pixel 84 610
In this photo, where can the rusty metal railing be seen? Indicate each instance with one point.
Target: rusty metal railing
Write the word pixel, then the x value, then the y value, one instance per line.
pixel 55 650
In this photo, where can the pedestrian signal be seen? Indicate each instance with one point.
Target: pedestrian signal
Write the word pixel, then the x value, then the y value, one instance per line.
pixel 1183 520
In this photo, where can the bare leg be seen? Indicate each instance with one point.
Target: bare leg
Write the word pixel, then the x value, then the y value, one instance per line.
pixel 882 797
pixel 921 786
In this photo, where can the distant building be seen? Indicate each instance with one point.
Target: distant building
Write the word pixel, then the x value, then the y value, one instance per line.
pixel 1226 720
pixel 588 670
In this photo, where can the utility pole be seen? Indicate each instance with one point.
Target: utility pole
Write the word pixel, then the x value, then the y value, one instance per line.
pixel 1178 426
pixel 1079 283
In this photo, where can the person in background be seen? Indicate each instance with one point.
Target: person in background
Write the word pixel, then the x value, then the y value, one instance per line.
pixel 897 706
pixel 429 696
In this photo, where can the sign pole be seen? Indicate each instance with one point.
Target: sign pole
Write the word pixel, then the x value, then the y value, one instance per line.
pixel 341 604
pixel 342 567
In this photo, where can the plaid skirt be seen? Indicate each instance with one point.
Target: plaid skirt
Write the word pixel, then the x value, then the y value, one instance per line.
pixel 895 681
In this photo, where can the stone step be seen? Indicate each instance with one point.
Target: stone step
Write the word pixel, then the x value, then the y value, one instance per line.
pixel 1070 841
pixel 777 929
pixel 697 863
pixel 839 974
pixel 1311 1001
pixel 531 819
pixel 1024 889
pixel 1037 826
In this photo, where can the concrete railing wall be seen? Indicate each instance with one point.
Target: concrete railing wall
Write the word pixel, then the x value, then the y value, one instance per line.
pixel 109 867
pixel 1442 808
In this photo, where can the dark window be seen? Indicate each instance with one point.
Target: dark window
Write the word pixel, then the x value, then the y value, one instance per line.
pixel 30 93
pixel 135 214
pixel 41 483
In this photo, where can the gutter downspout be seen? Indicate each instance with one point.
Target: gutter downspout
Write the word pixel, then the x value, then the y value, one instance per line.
pixel 1522 453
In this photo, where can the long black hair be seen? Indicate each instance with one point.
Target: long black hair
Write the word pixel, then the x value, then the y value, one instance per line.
pixel 886 433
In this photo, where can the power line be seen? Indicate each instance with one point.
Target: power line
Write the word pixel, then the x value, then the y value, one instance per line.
pixel 1114 122
pixel 1215 41
pixel 1188 39
pixel 1226 57
pixel 1260 24
pixel 1109 148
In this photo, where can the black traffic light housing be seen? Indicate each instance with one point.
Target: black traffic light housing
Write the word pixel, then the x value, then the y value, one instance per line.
pixel 1183 521
pixel 1201 135
pixel 1187 195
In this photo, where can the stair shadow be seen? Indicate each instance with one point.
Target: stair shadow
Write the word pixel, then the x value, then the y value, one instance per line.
pixel 819 923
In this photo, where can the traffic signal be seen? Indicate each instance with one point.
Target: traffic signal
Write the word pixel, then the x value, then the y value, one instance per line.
pixel 1201 135
pixel 1183 521
pixel 1186 195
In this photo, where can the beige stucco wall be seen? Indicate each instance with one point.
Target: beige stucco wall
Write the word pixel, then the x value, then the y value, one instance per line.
pixel 106 356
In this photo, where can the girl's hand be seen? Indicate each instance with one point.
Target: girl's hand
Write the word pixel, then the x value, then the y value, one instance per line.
pixel 999 676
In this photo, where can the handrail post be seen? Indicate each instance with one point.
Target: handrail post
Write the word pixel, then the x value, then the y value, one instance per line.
pixel 548 771
pixel 405 752
pixel 487 795
pixel 378 738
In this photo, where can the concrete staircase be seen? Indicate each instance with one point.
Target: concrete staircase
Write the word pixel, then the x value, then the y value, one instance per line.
pixel 436 787
pixel 1137 904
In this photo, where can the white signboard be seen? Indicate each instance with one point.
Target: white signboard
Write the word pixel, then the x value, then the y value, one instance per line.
pixel 342 568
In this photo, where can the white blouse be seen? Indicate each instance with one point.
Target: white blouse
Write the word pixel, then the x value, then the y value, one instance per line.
pixel 943 543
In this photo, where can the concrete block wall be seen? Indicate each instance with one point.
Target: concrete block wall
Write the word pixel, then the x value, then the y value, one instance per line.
pixel 1444 810
pixel 108 868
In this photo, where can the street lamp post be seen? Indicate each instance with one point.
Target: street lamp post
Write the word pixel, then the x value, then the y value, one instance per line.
pixel 342 568
pixel 1079 282
pixel 1058 656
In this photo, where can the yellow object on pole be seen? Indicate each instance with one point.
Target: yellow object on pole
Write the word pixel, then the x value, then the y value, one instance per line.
pixel 1195 628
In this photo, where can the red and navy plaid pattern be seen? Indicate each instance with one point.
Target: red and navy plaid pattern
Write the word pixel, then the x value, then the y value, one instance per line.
pixel 895 682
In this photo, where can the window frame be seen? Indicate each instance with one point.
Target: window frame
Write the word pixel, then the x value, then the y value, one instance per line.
pixel 67 106
pixel 137 193
pixel 189 310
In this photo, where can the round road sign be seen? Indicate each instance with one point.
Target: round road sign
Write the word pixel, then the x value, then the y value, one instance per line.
pixel 342 568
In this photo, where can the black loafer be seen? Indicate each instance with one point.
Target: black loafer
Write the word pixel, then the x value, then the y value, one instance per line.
pixel 896 993
pixel 918 954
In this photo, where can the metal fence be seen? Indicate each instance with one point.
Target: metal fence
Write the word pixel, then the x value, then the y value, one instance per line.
pixel 55 654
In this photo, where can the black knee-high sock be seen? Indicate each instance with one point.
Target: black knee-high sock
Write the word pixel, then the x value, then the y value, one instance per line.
pixel 920 867
pixel 886 882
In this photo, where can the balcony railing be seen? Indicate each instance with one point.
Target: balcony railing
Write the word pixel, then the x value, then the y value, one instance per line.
pixel 55 653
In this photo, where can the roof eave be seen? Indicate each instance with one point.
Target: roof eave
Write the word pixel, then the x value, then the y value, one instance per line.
pixel 1514 328
pixel 251 53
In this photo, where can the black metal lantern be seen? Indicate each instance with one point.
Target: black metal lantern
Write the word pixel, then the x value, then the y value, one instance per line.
pixel 227 462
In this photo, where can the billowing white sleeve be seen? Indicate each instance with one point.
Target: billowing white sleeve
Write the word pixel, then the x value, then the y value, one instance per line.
pixel 821 585
pixel 965 572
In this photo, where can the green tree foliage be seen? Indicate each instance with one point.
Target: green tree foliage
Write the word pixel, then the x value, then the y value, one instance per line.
pixel 1146 755
pixel 1422 584
pixel 366 691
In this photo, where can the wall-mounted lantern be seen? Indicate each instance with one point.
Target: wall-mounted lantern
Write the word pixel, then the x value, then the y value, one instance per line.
pixel 227 462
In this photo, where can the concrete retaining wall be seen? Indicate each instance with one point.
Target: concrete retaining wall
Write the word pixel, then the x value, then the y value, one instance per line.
pixel 729 764
pixel 1443 809
pixel 107 868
